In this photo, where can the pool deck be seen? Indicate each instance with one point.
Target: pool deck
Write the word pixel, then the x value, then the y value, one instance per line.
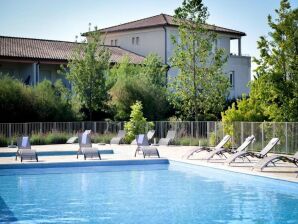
pixel 283 171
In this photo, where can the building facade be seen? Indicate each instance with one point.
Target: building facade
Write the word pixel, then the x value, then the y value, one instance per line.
pixel 153 35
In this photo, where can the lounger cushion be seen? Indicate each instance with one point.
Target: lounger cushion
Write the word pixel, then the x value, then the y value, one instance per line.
pixel 233 157
pixel 148 151
pixel 90 152
pixel 27 154
pixel 72 140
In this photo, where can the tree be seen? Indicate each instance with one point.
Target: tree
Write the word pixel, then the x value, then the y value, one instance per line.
pixel 86 70
pixel 154 70
pixel 137 124
pixel 200 88
pixel 277 67
pixel 43 102
pixel 274 92
pixel 129 83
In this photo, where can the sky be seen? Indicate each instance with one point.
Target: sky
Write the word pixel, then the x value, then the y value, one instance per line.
pixel 66 19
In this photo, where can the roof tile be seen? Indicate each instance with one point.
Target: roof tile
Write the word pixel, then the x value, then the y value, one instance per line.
pixel 161 20
pixel 39 49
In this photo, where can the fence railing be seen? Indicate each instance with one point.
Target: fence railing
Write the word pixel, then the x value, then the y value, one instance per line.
pixel 188 132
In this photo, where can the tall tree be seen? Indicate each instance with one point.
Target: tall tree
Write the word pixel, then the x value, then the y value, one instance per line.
pixel 145 83
pixel 86 70
pixel 277 67
pixel 200 88
pixel 274 92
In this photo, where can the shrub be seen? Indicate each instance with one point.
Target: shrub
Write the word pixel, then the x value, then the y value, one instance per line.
pixel 56 138
pixel 137 124
pixel 38 139
pixel 188 141
pixel 3 141
pixel 104 138
pixel 50 138
pixel 44 102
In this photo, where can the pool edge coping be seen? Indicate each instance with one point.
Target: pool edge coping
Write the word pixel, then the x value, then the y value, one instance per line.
pixel 229 169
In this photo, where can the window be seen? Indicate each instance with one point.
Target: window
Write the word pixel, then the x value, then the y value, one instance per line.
pixel 116 42
pixel 112 42
pixel 232 78
pixel 133 40
pixel 137 40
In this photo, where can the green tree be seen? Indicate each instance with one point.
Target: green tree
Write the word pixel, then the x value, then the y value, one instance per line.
pixel 146 83
pixel 86 70
pixel 200 88
pixel 137 124
pixel 154 70
pixel 274 92
pixel 277 67
pixel 43 102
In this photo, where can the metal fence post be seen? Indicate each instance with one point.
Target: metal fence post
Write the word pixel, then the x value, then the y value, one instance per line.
pixel 94 126
pixel 40 127
pixel 241 124
pixel 286 132
pixel 208 134
pixel 262 135
pixel 9 130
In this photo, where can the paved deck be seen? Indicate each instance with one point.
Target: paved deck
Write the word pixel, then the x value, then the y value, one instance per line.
pixel 283 171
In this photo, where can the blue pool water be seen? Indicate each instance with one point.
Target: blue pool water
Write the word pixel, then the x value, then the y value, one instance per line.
pixel 175 193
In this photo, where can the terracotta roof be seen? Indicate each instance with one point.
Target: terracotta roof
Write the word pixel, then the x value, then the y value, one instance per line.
pixel 161 20
pixel 39 49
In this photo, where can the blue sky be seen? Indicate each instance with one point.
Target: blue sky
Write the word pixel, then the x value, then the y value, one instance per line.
pixel 64 19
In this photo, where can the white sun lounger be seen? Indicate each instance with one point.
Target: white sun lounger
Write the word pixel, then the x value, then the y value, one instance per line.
pixel 24 150
pixel 144 147
pixel 72 140
pixel 244 154
pixel 168 139
pixel 276 158
pixel 208 149
pixel 150 135
pixel 119 138
pixel 221 152
pixel 86 148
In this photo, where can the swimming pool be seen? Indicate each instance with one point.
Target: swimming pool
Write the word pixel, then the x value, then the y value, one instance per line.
pixel 157 193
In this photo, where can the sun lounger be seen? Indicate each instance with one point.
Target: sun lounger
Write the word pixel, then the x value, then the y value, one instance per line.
pixel 221 152
pixel 168 139
pixel 24 149
pixel 119 138
pixel 72 140
pixel 144 147
pixel 86 148
pixel 276 158
pixel 244 155
pixel 208 149
pixel 150 135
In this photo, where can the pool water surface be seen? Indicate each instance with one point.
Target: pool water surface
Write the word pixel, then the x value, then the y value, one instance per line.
pixel 175 193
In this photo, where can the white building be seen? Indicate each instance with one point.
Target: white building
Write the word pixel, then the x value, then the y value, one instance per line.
pixel 153 35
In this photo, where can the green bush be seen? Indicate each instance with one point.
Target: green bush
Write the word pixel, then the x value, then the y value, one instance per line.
pixel 188 141
pixel 3 141
pixel 38 139
pixel 44 102
pixel 104 138
pixel 50 138
pixel 57 138
pixel 137 124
